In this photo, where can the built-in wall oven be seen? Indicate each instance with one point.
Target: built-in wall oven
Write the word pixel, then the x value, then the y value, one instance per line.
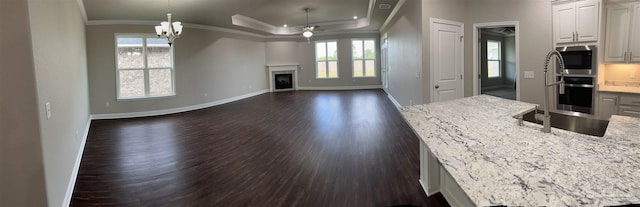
pixel 580 78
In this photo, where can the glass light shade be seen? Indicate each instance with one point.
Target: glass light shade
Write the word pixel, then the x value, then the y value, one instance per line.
pixel 165 26
pixel 159 30
pixel 177 26
pixel 307 34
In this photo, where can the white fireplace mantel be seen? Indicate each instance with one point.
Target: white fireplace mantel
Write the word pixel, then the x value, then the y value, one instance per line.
pixel 273 69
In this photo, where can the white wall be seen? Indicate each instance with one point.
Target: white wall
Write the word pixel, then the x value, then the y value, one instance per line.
pixel 216 64
pixel 59 54
pixel 22 179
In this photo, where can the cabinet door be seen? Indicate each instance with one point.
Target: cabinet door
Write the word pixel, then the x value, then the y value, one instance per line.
pixel 634 46
pixel 617 33
pixel 564 23
pixel 607 106
pixel 587 16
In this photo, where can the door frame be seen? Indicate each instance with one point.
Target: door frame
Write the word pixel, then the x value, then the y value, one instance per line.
pixel 432 52
pixel 476 58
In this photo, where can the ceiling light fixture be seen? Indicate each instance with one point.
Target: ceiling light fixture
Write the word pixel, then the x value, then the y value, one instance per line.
pixel 285 25
pixel 355 17
pixel 168 29
pixel 306 31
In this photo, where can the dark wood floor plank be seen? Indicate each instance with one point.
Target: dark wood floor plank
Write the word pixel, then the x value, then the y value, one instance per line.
pixel 298 148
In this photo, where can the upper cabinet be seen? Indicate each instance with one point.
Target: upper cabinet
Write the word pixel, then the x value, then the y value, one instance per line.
pixel 576 22
pixel 622 44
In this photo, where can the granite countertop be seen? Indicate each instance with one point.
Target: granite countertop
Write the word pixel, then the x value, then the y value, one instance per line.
pixel 497 162
pixel 619 89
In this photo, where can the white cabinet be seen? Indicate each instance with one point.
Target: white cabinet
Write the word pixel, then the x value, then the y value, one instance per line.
pixel 634 47
pixel 576 22
pixel 607 105
pixel 622 44
pixel 618 104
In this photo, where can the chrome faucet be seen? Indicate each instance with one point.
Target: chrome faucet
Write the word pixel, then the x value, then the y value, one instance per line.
pixel 546 118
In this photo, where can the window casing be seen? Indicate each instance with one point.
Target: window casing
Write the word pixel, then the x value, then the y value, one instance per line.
pixel 494 59
pixel 364 58
pixel 326 59
pixel 144 66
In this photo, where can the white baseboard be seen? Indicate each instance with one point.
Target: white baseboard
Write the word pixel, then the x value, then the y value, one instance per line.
pixel 76 166
pixel 393 100
pixel 331 88
pixel 175 110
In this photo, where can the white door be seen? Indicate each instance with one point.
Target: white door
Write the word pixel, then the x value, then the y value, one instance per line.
pixel 564 22
pixel 384 66
pixel 587 14
pixel 446 60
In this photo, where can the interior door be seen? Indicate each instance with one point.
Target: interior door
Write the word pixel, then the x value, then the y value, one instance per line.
pixel 446 60
pixel 384 66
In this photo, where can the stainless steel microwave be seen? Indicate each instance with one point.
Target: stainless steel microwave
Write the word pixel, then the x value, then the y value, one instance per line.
pixel 579 60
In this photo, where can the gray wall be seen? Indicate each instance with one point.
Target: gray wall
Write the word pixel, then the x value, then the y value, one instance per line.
pixel 302 52
pixel 534 18
pixel 216 64
pixel 535 24
pixel 22 181
pixel 59 53
pixel 42 61
pixel 409 40
pixel 404 45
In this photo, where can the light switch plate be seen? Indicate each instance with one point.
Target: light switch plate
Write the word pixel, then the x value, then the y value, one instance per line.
pixel 528 74
pixel 47 107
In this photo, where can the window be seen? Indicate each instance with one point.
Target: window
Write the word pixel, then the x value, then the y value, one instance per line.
pixel 494 52
pixel 364 58
pixel 144 67
pixel 327 59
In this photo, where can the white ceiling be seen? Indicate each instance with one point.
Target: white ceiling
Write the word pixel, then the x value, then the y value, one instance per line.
pixel 267 16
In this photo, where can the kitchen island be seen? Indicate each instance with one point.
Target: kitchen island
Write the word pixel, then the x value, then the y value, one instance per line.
pixel 475 153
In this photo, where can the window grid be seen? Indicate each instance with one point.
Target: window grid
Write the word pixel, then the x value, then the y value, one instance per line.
pixel 364 58
pixel 494 52
pixel 326 59
pixel 146 70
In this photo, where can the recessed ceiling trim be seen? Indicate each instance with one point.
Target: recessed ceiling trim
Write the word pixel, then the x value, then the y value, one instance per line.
pixel 83 12
pixel 187 25
pixel 393 14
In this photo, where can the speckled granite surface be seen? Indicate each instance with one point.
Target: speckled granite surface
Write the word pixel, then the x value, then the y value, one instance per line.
pixel 497 162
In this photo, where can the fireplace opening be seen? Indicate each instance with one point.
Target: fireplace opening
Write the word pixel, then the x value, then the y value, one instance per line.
pixel 283 81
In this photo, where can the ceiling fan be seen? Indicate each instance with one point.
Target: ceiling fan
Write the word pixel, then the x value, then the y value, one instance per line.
pixel 307 31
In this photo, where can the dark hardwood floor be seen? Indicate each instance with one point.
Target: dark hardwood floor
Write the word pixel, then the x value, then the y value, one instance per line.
pixel 298 148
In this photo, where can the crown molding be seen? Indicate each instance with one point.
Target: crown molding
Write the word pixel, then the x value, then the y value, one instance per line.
pixel 83 12
pixel 186 25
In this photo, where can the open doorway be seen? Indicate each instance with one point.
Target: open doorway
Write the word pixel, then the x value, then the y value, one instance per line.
pixel 496 60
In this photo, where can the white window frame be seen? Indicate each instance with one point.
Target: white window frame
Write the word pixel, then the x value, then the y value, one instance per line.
pixel 326 42
pixel 145 69
pixel 375 59
pixel 499 59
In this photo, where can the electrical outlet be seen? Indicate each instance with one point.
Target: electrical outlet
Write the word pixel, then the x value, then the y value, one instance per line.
pixel 417 74
pixel 633 74
pixel 206 95
pixel 47 107
pixel 107 104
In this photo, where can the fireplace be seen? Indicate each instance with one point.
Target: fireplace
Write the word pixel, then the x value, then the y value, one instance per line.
pixel 282 77
pixel 283 81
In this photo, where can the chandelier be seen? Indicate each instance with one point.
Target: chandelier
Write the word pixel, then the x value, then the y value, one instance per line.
pixel 168 29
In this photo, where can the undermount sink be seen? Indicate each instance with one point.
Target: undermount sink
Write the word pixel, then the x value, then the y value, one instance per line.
pixel 578 124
